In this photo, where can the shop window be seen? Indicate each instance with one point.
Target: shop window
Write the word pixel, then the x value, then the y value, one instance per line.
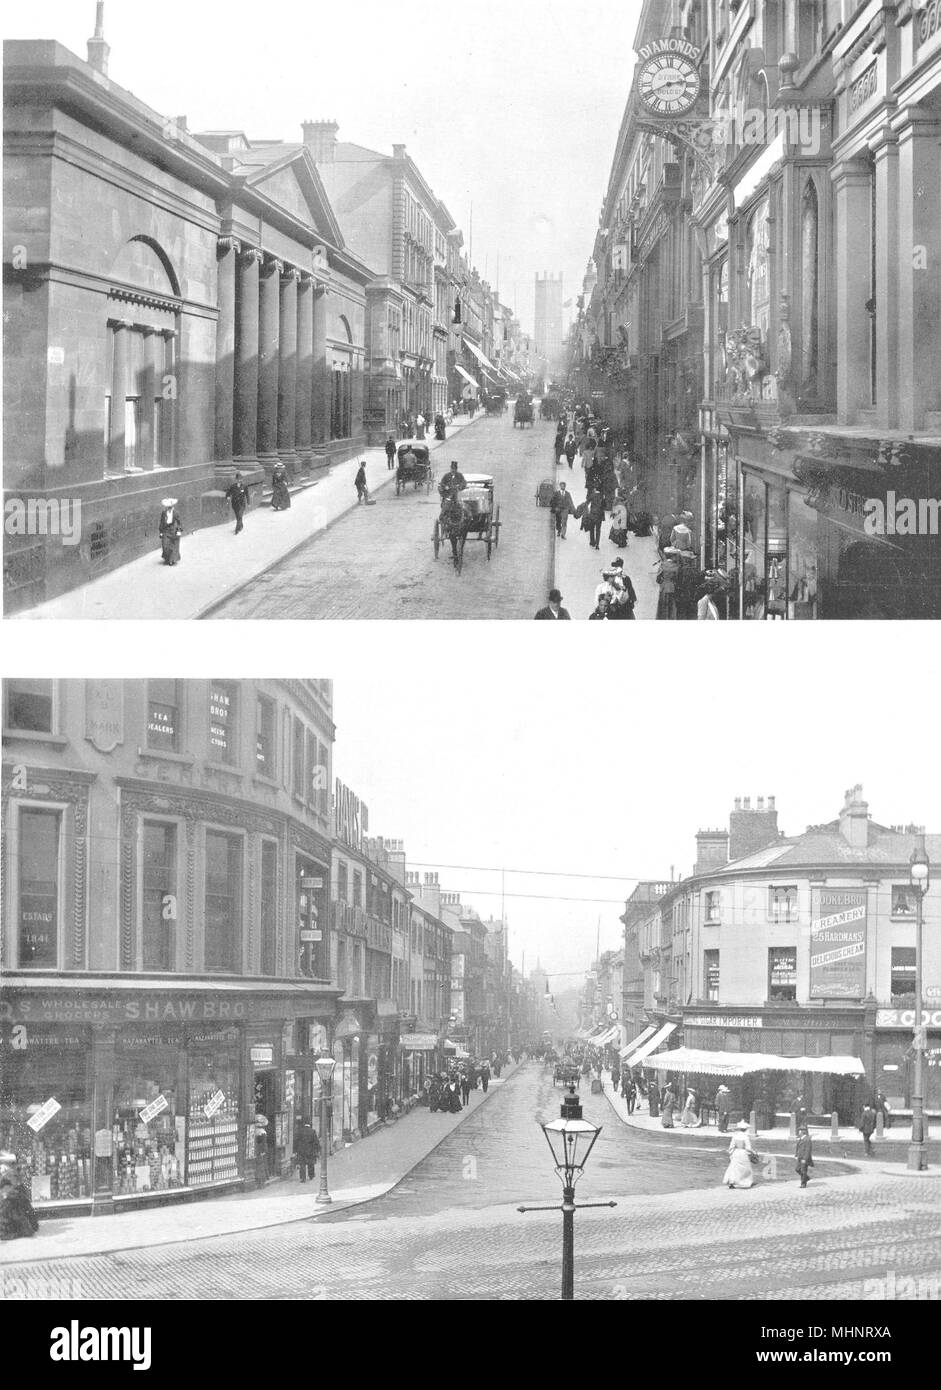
pixel 29 706
pixel 265 737
pixel 223 721
pixel 711 975
pixel 713 904
pixel 48 1062
pixel 802 558
pixel 163 715
pixel 223 902
pixel 212 1130
pixel 298 761
pixel 757 272
pixel 158 897
pixel 903 972
pixel 782 973
pixel 782 903
pixel 39 832
pixel 357 888
pixel 904 900
pixel 149 1077
pixel 269 908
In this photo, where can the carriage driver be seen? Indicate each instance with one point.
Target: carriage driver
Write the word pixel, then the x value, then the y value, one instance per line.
pixel 453 482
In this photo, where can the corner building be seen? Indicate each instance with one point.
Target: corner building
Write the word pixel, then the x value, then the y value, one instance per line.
pixel 166 869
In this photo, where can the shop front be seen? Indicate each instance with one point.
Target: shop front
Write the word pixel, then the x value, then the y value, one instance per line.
pixel 113 1097
pixel 894 1063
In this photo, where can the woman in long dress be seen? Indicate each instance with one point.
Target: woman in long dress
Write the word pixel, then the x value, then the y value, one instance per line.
pixel 280 494
pixel 667 1107
pixel 690 1117
pixel 170 530
pixel 739 1171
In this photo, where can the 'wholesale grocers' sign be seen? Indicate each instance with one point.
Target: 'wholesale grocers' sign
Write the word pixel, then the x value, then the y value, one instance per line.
pixel 838 944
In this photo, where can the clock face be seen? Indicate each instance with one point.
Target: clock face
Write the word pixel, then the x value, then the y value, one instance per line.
pixel 669 84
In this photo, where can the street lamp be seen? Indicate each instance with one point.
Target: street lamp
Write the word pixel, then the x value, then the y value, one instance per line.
pixel 571 1140
pixel 325 1066
pixel 919 871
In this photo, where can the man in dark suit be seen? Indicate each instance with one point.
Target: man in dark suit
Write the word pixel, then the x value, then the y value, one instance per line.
pixel 239 498
pixel 562 506
pixel 554 607
pixel 591 513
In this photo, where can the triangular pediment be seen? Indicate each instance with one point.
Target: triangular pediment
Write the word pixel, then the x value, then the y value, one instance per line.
pixel 292 183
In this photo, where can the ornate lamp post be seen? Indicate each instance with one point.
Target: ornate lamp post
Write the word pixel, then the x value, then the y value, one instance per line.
pixel 920 878
pixel 325 1066
pixel 571 1140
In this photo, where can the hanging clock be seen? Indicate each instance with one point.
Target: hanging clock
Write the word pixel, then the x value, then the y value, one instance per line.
pixel 668 84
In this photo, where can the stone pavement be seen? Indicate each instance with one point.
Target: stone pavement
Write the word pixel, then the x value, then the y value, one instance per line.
pixel 846 1143
pixel 578 567
pixel 357 1173
pixel 215 562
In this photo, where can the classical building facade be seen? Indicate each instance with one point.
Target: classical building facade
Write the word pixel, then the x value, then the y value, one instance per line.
pixel 174 308
pixel 166 977
pixel 767 317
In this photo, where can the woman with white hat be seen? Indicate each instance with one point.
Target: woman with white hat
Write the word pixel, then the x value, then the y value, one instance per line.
pixel 170 531
pixel 738 1173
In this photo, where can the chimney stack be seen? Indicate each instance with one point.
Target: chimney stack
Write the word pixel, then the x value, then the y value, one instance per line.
pixel 854 818
pixel 98 50
pixel 320 137
pixel 712 850
pixel 751 830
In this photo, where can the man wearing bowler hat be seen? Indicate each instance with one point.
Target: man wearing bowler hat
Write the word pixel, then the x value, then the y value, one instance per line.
pixel 554 607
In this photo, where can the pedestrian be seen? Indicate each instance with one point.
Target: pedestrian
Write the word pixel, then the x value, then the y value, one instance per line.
pixel 799 1111
pixel 390 451
pixel 570 448
pixel 420 425
pixel 622 597
pixel 170 530
pixel 631 1094
pixel 738 1173
pixel 239 499
pixel 485 1077
pixel 723 1105
pixel 306 1150
pixel 667 1107
pixel 803 1155
pixel 359 482
pixel 601 611
pixel 465 1086
pixel 261 1150
pixel 882 1106
pixel 280 496
pixel 554 607
pixel 562 506
pixel 867 1125
pixel 691 1118
pixel 615 1075
pixel 453 1097
pixel 17 1217
pixel 653 1099
pixel 618 532
pixel 591 514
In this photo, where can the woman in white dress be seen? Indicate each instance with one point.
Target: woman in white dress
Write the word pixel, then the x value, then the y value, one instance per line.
pixel 691 1118
pixel 739 1171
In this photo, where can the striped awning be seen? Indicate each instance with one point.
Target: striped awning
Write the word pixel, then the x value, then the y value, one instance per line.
pixel 641 1037
pixel 484 361
pixel 466 375
pixel 691 1059
pixel 647 1047
pixel 608 1036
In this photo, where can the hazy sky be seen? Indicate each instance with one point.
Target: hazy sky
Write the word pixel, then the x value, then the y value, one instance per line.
pixel 514 108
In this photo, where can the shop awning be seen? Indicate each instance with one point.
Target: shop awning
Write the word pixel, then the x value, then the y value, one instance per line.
pixel 646 1048
pixel 418 1042
pixel 608 1036
pixel 691 1059
pixel 466 375
pixel 641 1037
pixel 484 361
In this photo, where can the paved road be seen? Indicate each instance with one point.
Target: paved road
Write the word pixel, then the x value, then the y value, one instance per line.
pixel 377 562
pixel 451 1231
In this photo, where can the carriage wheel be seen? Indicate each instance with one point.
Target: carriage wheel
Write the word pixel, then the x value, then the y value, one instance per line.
pixel 436 538
pixel 489 537
pixel 496 527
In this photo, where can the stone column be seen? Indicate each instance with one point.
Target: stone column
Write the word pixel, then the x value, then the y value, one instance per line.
pixel 116 441
pixel 919 297
pixel 320 403
pixel 168 354
pixel 287 370
pixel 305 368
pixel 227 250
pixel 852 214
pixel 246 357
pixel 269 332
pixel 149 385
pixel 102 1070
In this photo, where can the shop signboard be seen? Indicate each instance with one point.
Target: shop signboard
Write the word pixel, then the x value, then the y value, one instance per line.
pixel 79 1007
pixel 214 1103
pixel 43 1115
pixel 905 1018
pixel 155 1108
pixel 838 944
pixel 262 1056
pixel 724 1020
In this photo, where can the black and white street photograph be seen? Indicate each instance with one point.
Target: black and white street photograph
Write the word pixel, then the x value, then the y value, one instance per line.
pixel 295 1009
pixel 624 309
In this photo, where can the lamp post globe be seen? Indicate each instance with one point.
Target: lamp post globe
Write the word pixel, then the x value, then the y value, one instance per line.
pixel 571 1139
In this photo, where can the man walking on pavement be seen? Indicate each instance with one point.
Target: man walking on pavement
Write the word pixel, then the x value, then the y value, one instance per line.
pixel 562 506
pixel 591 513
pixel 485 1076
pixel 359 482
pixel 723 1105
pixel 804 1156
pixel 238 496
pixel 390 451
pixel 867 1125
pixel 465 1086
pixel 306 1151
pixel 554 608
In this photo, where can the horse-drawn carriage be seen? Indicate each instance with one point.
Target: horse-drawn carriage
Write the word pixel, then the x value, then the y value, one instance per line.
pixel 466 514
pixel 418 471
pixel 495 402
pixel 549 408
pixel 523 413
pixel 567 1073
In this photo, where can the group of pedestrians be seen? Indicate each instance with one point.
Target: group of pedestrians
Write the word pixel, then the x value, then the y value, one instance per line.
pixel 449 1091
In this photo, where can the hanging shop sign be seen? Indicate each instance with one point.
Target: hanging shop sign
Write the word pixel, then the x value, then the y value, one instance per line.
pixel 214 1103
pixel 155 1108
pixel 838 944
pixel 43 1115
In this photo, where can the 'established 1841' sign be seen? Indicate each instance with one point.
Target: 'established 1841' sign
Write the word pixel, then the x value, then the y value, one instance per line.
pixel 838 944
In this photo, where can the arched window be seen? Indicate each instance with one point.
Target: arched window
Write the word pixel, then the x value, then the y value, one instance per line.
pixel 143 310
pixel 809 288
pixel 757 271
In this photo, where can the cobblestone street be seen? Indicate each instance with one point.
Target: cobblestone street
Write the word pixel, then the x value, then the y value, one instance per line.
pixel 451 1231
